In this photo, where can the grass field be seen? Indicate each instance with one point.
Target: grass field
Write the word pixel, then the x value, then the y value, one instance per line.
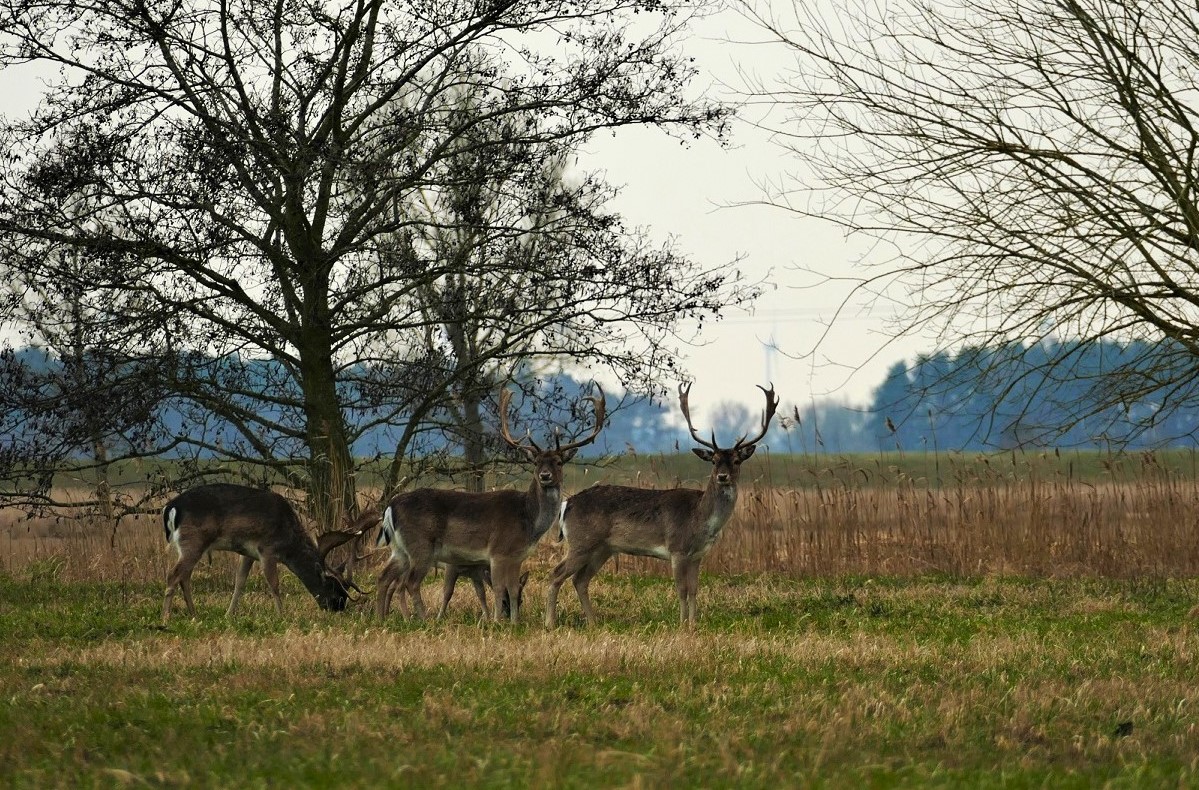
pixel 848 682
pixel 1003 621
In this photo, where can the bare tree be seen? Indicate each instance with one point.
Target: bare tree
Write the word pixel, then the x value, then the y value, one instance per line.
pixel 523 241
pixel 1031 165
pixel 250 165
pixel 80 393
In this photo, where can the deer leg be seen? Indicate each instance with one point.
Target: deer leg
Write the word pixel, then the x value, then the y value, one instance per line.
pixel 385 587
pixel 402 595
pixel 421 560
pixel 447 588
pixel 680 565
pixel 270 569
pixel 180 576
pixel 692 593
pixel 480 592
pixel 396 588
pixel 412 586
pixel 551 596
pixel 562 571
pixel 520 592
pixel 582 583
pixel 479 580
pixel 186 584
pixel 383 593
pixel 239 583
pixel 505 580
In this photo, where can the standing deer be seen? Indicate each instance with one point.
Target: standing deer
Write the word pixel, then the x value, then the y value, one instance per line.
pixel 679 525
pixel 498 529
pixel 258 525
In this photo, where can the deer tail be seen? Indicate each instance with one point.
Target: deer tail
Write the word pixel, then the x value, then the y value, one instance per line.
pixel 169 514
pixel 562 520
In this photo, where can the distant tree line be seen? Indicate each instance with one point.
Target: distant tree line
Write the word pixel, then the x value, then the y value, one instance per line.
pixel 977 399
pixel 1012 396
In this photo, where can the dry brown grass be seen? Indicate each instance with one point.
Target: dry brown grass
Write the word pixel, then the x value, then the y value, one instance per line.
pixel 1056 527
pixel 1060 528
pixel 542 654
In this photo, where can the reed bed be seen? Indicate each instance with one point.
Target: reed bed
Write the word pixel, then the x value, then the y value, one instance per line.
pixel 812 517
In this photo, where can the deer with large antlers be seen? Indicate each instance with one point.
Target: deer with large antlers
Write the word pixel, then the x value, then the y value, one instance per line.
pixel 498 529
pixel 258 525
pixel 678 525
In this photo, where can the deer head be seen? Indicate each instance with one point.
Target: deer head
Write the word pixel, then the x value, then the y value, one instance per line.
pixel 726 462
pixel 548 463
pixel 336 584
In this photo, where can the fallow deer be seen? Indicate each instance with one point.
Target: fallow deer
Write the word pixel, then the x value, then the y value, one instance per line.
pixel 258 525
pixel 679 525
pixel 498 529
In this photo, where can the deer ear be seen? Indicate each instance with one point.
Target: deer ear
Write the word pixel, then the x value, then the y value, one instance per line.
pixel 746 452
pixel 568 454
pixel 707 455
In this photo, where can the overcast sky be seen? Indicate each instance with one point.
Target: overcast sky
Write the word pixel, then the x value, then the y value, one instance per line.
pixel 690 193
pixel 685 192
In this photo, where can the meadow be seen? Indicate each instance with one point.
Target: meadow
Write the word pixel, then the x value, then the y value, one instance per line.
pixel 1010 620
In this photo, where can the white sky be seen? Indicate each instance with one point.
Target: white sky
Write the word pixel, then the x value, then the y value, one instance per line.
pixel 685 192
pixel 689 193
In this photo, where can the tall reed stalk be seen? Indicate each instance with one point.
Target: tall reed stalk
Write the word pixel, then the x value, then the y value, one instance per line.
pixel 1127 516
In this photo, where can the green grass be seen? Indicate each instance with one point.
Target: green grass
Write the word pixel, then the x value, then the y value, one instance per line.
pixel 880 682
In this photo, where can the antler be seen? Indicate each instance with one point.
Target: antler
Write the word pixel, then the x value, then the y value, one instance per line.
pixel 684 391
pixel 505 401
pixel 600 411
pixel 332 539
pixel 772 403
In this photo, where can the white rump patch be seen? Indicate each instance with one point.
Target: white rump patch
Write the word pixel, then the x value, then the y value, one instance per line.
pixel 562 520
pixel 387 529
pixel 173 530
pixel 390 536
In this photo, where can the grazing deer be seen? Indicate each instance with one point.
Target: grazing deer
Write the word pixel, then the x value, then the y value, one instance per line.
pixel 258 525
pixel 497 529
pixel 679 525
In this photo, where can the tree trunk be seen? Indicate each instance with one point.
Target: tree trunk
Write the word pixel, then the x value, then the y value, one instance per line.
pixel 474 449
pixel 331 490
pixel 454 315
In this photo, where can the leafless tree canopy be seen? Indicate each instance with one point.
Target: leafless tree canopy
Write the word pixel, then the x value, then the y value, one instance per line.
pixel 248 180
pixel 1031 165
